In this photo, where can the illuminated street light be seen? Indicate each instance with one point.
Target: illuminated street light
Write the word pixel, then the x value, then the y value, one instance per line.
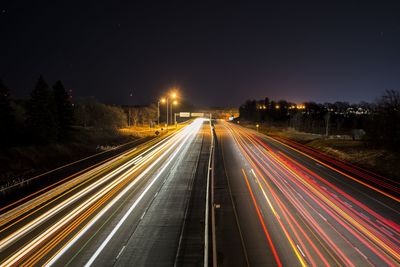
pixel 174 103
pixel 257 125
pixel 167 99
pixel 277 106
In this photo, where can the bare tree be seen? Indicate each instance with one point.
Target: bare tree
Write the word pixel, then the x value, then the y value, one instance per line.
pixel 135 113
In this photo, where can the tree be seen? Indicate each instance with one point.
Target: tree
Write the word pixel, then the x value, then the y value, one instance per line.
pixel 389 114
pixel 41 118
pixel 152 113
pixel 90 113
pixel 135 115
pixel 7 117
pixel 248 110
pixel 64 110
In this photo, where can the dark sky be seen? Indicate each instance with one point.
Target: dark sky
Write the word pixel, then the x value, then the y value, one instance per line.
pixel 219 54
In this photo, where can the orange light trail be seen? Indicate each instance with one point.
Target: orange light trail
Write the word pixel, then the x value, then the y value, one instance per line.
pixel 328 213
pixel 271 244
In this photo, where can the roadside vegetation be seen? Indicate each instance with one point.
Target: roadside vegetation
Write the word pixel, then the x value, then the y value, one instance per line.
pixel 367 134
pixel 48 130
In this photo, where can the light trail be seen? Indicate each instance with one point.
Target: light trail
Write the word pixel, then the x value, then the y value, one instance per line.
pixel 270 242
pixel 100 191
pixel 370 178
pixel 310 208
pixel 122 220
pixel 64 186
pixel 296 251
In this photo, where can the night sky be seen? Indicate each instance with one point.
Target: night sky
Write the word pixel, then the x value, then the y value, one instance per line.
pixel 219 54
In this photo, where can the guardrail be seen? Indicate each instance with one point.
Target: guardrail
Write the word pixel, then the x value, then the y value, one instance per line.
pixel 210 203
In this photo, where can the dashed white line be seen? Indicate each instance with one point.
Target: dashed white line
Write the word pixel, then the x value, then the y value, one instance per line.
pixel 120 252
pixel 362 254
pixel 300 250
pixel 322 217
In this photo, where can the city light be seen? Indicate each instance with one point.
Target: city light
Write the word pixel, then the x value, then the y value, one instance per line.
pixel 300 106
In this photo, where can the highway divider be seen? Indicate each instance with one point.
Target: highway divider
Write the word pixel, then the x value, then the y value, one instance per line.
pixel 210 220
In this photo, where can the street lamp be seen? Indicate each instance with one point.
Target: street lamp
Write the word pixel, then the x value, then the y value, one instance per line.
pixel 172 95
pixel 257 126
pixel 174 103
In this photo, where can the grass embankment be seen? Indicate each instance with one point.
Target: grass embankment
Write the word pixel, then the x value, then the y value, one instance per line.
pixel 381 161
pixel 143 131
pixel 20 163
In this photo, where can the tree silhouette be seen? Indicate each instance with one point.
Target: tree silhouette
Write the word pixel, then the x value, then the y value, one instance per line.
pixel 91 113
pixel 41 114
pixel 7 117
pixel 64 111
pixel 384 125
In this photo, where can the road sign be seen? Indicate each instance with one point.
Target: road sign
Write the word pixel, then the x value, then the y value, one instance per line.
pixel 194 114
pixel 184 114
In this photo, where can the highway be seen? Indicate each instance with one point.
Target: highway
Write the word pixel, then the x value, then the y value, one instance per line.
pixel 129 210
pixel 288 207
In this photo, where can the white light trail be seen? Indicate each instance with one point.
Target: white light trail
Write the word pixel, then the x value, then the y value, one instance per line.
pixel 63 221
pixel 187 133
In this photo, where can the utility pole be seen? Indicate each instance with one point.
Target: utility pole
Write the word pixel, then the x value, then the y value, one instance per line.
pixel 176 114
pixel 167 114
pixel 171 110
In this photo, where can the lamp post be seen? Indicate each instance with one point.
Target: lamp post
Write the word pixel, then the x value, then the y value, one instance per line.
pixel 167 100
pixel 172 104
pixel 173 96
pixel 167 113
pixel 176 125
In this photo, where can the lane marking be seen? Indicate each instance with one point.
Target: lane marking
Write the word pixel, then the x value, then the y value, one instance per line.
pixel 120 252
pixel 233 204
pixel 264 227
pixel 102 212
pixel 301 251
pixel 123 219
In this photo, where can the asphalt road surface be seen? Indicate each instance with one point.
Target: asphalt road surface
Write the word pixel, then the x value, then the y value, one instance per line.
pixel 279 204
pixel 128 211
pixel 290 208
